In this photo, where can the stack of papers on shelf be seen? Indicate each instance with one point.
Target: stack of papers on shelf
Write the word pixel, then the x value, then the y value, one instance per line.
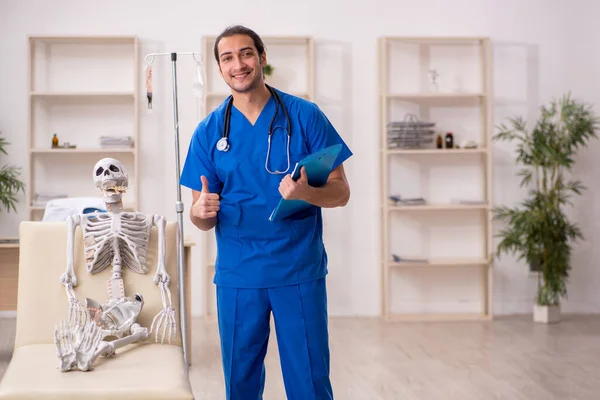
pixel 116 141
pixel 466 201
pixel 399 259
pixel 407 201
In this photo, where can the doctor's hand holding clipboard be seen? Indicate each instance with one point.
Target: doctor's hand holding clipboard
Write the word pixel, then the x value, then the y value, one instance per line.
pixel 304 187
pixel 295 190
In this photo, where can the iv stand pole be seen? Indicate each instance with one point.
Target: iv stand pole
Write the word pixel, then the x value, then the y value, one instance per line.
pixel 179 208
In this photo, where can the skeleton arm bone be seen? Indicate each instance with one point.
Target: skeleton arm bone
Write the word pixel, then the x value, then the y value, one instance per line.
pixel 77 312
pixel 166 318
pixel 161 272
pixel 69 275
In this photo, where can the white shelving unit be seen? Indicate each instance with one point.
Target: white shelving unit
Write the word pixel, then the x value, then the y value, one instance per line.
pixel 80 88
pixel 290 76
pixel 431 251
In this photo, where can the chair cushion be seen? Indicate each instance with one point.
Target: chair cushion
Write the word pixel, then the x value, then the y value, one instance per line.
pixel 137 371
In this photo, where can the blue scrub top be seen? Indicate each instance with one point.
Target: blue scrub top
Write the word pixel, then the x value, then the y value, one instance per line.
pixel 253 252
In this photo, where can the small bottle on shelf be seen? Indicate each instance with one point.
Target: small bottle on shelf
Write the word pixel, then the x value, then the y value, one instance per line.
pixel 449 140
pixel 440 141
pixel 54 141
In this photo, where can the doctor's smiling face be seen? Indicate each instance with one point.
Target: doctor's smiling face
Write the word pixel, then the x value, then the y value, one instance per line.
pixel 240 62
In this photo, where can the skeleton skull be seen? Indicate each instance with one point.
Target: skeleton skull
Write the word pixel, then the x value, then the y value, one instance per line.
pixel 111 178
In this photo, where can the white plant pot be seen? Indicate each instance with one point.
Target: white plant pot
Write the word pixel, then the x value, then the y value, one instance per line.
pixel 546 314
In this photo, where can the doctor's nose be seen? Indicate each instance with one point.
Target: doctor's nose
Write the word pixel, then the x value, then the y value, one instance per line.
pixel 238 64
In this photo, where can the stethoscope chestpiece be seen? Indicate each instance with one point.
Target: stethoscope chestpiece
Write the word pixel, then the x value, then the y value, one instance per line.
pixel 223 144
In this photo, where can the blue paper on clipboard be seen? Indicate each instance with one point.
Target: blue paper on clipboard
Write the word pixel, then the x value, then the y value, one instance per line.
pixel 318 166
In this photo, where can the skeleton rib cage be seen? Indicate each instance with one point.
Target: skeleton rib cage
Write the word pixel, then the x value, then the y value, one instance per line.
pixel 118 240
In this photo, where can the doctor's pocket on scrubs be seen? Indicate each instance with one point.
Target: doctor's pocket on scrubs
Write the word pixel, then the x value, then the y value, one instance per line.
pixel 303 224
pixel 229 247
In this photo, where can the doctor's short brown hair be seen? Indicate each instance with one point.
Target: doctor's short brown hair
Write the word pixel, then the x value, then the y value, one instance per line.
pixel 240 30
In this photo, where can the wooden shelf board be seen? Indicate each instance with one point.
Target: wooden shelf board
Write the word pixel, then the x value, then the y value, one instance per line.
pixel 451 262
pixel 83 94
pixel 438 317
pixel 84 39
pixel 290 39
pixel 436 40
pixel 436 152
pixel 438 207
pixel 434 95
pixel 84 150
pixel 224 95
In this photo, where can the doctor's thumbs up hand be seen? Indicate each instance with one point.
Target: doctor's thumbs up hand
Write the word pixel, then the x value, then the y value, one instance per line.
pixel 207 204
pixel 295 190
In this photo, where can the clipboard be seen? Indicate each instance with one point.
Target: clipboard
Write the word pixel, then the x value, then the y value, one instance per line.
pixel 317 166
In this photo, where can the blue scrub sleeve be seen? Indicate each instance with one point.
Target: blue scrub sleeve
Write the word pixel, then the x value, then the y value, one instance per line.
pixel 321 133
pixel 198 163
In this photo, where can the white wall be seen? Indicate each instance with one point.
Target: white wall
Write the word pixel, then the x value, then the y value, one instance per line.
pixel 540 50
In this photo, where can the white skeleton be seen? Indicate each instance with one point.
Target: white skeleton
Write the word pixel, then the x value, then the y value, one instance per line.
pixel 120 239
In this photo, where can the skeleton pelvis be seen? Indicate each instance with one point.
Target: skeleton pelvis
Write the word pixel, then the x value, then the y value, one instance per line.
pixel 116 316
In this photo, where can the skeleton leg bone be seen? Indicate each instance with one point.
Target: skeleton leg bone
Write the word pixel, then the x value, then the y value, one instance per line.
pixel 81 346
pixel 108 349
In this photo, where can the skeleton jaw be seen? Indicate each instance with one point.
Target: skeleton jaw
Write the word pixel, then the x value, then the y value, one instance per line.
pixel 112 191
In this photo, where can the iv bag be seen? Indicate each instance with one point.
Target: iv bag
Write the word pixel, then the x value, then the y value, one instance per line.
pixel 199 85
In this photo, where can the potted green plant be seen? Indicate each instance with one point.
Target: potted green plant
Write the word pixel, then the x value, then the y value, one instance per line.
pixel 268 70
pixel 538 230
pixel 10 184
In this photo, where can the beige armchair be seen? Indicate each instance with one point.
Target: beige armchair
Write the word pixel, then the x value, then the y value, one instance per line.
pixel 145 370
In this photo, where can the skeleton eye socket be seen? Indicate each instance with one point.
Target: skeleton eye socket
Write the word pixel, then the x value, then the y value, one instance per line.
pixel 99 171
pixel 113 168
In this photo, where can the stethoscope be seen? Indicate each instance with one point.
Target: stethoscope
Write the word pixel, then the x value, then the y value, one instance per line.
pixel 223 143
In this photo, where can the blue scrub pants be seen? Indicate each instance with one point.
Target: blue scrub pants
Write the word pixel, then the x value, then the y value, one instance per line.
pixel 300 315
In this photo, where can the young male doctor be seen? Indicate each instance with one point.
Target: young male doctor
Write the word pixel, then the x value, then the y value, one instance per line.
pixel 238 176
